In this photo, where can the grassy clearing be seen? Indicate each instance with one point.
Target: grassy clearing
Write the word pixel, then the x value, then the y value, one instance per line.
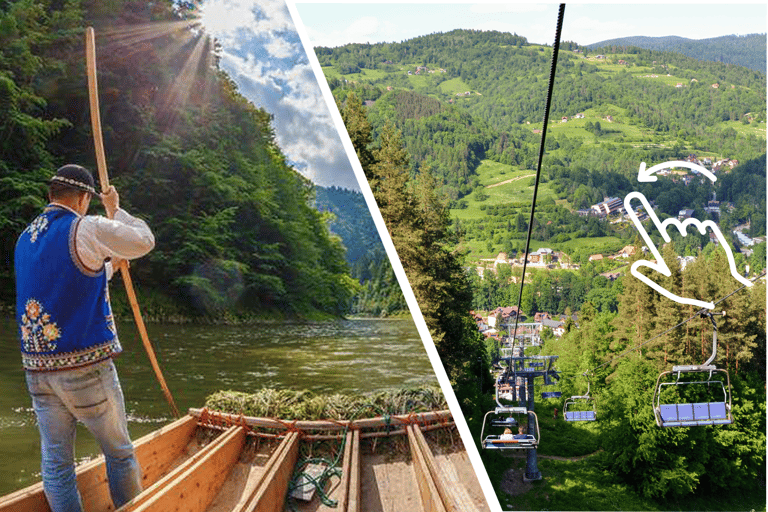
pixel 753 128
pixel 502 184
pixel 453 86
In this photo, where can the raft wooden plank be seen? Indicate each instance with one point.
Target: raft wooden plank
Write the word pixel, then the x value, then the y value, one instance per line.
pixel 161 483
pixel 345 470
pixel 435 474
pixel 273 488
pixel 253 485
pixel 155 452
pixel 353 493
pixel 195 487
pixel 430 497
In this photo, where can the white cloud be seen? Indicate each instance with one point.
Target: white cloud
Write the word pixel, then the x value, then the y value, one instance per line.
pixel 279 48
pixel 361 30
pixel 585 30
pixel 509 7
pixel 262 53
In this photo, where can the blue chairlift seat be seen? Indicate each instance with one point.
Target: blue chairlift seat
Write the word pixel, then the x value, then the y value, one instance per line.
pixel 692 415
pixel 580 408
pixel 509 441
pixel 580 416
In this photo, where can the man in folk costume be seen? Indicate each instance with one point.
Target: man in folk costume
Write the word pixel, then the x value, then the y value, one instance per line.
pixel 68 335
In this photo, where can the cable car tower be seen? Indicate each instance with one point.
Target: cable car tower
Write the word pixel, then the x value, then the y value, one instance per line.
pixel 516 384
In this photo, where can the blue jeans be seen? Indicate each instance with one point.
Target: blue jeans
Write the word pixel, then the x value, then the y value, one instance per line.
pixel 91 394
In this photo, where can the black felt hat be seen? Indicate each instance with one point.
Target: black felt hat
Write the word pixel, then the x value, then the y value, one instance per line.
pixel 75 176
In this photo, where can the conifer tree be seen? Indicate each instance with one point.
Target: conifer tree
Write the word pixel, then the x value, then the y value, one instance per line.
pixel 418 223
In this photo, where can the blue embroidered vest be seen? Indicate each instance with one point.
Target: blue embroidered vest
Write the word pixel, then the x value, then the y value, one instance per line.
pixel 62 307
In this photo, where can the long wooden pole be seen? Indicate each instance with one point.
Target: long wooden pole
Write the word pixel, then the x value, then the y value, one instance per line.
pixel 101 162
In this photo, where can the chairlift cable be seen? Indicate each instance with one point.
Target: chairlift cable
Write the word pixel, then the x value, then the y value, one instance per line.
pixel 555 50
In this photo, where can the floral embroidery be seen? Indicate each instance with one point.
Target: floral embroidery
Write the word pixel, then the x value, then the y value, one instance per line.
pixel 111 324
pixel 43 362
pixel 38 333
pixel 38 225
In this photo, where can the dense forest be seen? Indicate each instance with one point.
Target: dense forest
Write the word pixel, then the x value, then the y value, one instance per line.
pixel 236 230
pixel 747 50
pixel 672 463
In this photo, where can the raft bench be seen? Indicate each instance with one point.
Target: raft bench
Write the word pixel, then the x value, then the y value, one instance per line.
pixel 693 415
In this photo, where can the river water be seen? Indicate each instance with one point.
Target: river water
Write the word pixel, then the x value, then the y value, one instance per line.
pixel 356 356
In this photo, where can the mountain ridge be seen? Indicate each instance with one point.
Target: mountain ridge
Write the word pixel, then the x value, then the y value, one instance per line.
pixel 747 50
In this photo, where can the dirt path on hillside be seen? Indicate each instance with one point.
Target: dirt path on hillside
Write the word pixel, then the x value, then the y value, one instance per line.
pixel 555 457
pixel 512 481
pixel 510 181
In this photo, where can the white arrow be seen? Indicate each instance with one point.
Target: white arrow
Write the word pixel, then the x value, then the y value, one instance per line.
pixel 647 176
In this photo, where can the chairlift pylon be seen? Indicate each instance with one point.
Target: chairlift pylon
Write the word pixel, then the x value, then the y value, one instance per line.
pixel 701 413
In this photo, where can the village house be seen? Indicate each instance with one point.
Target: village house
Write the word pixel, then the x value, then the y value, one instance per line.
pixel 508 314
pixel 558 327
pixel 627 251
pixel 540 258
pixel 685 261
pixel 686 213
pixel 596 257
pixel 609 206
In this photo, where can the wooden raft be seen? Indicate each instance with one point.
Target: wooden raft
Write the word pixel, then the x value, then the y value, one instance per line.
pixel 180 475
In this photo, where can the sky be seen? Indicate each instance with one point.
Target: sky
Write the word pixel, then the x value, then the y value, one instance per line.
pixel 262 52
pixel 336 24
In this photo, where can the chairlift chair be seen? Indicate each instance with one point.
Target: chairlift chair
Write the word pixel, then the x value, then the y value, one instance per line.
pixel 509 441
pixel 695 414
pixel 581 407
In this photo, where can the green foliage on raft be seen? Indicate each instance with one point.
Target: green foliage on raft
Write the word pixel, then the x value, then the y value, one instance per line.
pixel 292 404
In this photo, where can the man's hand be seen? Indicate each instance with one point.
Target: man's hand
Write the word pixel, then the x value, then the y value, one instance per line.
pixel 111 201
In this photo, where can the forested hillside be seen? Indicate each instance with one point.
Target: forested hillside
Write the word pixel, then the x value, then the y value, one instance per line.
pixel 465 96
pixel 380 294
pixel 235 229
pixel 747 50
pixel 469 106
